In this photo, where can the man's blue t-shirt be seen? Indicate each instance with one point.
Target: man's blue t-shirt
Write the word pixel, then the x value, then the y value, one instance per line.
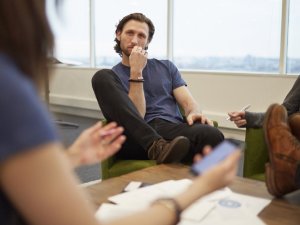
pixel 24 124
pixel 161 78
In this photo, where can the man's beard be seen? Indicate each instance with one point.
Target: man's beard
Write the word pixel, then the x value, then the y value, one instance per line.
pixel 126 52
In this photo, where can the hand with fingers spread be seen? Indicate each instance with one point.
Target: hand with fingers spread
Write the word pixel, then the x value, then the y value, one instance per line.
pixel 198 117
pixel 96 143
pixel 238 118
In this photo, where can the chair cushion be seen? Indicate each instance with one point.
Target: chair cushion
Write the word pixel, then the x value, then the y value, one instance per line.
pixel 260 177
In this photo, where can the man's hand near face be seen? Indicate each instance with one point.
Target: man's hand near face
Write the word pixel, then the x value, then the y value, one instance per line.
pixel 137 61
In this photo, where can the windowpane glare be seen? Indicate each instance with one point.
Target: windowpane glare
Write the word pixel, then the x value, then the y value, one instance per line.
pixel 109 13
pixel 293 56
pixel 232 35
pixel 70 24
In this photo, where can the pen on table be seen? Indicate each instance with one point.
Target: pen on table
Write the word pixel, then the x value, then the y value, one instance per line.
pixel 242 110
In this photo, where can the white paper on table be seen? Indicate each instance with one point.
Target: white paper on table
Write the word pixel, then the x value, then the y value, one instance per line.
pixel 220 207
pixel 231 216
pixel 202 207
pixel 133 185
pixel 108 212
pixel 225 207
pixel 243 220
pixel 198 211
pixel 235 210
pixel 143 197
pixel 253 204
pixel 217 195
pixel 146 195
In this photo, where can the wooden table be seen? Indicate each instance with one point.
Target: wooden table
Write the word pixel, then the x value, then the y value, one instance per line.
pixel 285 211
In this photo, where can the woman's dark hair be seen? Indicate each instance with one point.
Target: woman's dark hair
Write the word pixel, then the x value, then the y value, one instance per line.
pixel 134 16
pixel 26 37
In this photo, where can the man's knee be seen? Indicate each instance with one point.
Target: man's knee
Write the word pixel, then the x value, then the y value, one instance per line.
pixel 214 136
pixel 202 135
pixel 102 78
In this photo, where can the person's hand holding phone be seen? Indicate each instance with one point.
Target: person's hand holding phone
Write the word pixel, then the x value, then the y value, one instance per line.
pixel 216 171
pixel 217 176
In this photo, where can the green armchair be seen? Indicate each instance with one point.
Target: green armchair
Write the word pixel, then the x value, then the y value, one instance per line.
pixel 256 154
pixel 113 167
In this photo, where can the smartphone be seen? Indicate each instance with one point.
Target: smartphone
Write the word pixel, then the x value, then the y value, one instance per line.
pixel 219 153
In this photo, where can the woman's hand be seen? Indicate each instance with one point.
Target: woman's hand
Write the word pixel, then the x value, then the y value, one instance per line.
pixel 96 144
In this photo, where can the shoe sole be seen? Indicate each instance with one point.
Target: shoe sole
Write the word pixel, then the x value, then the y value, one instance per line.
pixel 180 149
pixel 270 182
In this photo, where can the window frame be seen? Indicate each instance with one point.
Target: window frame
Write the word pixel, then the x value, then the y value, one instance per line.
pixel 170 23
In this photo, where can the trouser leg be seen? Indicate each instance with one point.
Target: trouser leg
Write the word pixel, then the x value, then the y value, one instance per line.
pixel 198 134
pixel 294 122
pixel 117 106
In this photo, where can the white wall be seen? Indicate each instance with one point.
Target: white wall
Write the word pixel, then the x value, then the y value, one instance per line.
pixel 217 93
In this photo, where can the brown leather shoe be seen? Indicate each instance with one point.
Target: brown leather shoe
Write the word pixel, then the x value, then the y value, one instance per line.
pixel 169 151
pixel 284 152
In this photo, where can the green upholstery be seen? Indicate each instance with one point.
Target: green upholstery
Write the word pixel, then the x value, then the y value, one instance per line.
pixel 256 154
pixel 113 167
pixel 215 123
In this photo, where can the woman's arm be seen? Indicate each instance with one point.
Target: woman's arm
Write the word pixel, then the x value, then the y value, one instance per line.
pixel 41 185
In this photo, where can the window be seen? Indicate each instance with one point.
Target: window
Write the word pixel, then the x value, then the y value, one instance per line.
pixel 293 51
pixel 70 25
pixel 215 35
pixel 107 16
pixel 232 35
